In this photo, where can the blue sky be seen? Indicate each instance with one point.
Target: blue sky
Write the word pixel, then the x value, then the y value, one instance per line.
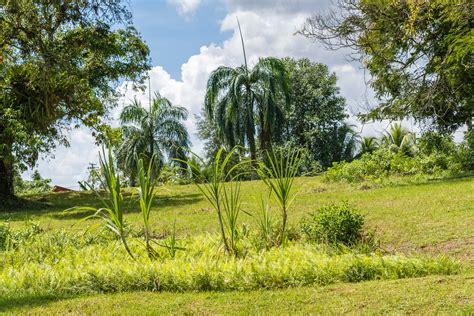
pixel 173 37
pixel 188 39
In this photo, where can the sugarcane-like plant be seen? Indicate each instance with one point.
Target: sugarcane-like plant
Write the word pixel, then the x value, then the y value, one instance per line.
pixel 219 184
pixel 112 212
pixel 146 187
pixel 278 173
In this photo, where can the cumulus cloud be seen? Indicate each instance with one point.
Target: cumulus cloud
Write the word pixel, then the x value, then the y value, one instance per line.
pixel 283 6
pixel 266 33
pixel 185 7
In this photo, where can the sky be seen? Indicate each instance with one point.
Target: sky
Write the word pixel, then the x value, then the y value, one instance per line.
pixel 188 39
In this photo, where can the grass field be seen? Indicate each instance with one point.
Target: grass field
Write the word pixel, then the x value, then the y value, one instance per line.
pixel 433 218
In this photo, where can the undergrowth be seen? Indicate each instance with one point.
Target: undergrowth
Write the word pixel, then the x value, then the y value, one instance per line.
pixel 62 264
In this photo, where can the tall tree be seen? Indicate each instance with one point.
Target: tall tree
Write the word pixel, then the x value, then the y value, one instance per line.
pixel 420 55
pixel 60 64
pixel 248 103
pixel 317 112
pixel 158 131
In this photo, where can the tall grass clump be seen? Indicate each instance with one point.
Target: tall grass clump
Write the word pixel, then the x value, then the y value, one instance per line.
pixel 264 221
pixel 146 187
pixel 112 212
pixel 278 173
pixel 219 184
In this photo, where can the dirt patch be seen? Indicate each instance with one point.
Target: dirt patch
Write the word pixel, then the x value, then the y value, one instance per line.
pixel 453 247
pixel 319 190
pixel 462 248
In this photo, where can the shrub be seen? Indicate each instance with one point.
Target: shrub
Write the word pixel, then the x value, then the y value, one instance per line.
pixel 337 223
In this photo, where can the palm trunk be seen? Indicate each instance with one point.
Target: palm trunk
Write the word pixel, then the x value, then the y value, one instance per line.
pixel 251 131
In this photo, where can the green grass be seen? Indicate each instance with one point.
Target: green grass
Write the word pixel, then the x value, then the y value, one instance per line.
pixel 428 295
pixel 434 217
pixel 429 218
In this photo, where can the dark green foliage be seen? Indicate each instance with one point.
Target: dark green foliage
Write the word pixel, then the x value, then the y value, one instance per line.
pixel 419 55
pixel 61 62
pixel 465 153
pixel 368 145
pixel 336 223
pixel 316 115
pixel 247 103
pixel 402 154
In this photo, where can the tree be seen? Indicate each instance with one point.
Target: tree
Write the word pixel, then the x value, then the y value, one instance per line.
pixel 60 64
pixel 316 113
pixel 207 131
pixel 400 138
pixel 369 144
pixel 246 103
pixel 158 131
pixel 419 53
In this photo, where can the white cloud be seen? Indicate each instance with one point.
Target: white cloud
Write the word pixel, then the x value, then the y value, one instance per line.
pixel 266 33
pixel 185 7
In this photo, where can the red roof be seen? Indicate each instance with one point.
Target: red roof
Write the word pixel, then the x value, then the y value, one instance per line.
pixel 58 188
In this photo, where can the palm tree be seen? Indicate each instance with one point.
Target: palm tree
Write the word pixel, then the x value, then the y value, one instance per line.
pixel 400 138
pixel 157 131
pixel 245 102
pixel 369 144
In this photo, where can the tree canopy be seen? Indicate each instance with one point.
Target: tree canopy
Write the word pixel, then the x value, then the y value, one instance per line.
pixel 420 55
pixel 248 103
pixel 315 120
pixel 158 131
pixel 60 64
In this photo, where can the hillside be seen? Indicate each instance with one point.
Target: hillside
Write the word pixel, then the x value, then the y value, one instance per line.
pixel 431 218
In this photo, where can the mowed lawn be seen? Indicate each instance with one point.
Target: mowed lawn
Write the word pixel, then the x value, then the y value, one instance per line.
pixel 434 218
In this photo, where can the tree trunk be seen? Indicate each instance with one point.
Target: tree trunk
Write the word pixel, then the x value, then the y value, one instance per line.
pixel 6 176
pixel 6 166
pixel 264 142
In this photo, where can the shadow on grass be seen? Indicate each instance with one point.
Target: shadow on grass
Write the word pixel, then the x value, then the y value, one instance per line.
pixel 10 304
pixel 53 204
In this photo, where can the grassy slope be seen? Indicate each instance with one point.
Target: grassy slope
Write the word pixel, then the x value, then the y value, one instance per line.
pixel 429 295
pixel 435 217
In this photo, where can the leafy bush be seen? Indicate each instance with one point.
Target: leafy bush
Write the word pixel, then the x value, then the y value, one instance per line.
pixel 337 223
pixel 434 154
pixel 37 184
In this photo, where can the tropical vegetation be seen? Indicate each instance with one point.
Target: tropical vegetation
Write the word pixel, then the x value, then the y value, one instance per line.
pixel 287 194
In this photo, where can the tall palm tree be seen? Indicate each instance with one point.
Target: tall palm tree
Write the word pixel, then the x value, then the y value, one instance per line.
pixel 158 131
pixel 401 138
pixel 245 103
pixel 248 103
